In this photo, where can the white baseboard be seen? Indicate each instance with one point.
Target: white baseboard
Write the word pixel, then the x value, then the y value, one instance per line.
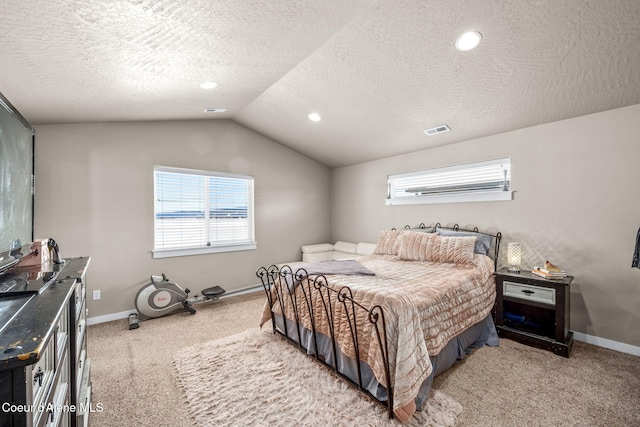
pixel 255 288
pixel 610 344
pixel 109 317
pixel 125 314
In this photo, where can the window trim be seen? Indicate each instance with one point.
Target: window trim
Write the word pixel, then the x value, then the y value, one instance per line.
pixel 453 197
pixel 250 244
pixel 168 253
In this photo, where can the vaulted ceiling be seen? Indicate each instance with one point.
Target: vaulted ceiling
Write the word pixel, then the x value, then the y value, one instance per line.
pixel 378 72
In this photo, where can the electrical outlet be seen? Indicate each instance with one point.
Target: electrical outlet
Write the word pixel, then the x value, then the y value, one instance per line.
pixel 96 295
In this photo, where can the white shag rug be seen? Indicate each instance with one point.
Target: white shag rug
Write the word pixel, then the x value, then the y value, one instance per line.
pixel 256 378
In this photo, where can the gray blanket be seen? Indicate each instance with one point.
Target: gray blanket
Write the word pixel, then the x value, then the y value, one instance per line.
pixel 347 266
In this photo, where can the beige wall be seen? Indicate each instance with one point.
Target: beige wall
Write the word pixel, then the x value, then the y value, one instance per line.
pixel 94 195
pixel 577 204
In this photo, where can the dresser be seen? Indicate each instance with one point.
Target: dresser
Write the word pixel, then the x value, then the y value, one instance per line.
pixel 44 368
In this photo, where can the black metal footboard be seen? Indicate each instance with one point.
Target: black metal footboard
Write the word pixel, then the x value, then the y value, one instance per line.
pixel 314 299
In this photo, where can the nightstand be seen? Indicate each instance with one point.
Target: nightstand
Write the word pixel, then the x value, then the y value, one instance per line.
pixel 533 310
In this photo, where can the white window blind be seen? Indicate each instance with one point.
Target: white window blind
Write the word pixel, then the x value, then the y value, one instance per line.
pixel 481 181
pixel 200 212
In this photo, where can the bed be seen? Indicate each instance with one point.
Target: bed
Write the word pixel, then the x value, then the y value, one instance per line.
pixel 390 322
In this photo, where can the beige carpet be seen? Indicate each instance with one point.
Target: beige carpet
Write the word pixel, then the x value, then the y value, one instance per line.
pixel 517 385
pixel 256 378
pixel 132 371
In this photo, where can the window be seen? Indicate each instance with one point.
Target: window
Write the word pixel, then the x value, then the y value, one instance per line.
pixel 472 182
pixel 198 212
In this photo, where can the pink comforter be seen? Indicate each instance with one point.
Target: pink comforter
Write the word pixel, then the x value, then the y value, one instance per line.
pixel 425 305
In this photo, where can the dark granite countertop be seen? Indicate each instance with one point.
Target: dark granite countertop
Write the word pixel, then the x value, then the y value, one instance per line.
pixel 28 317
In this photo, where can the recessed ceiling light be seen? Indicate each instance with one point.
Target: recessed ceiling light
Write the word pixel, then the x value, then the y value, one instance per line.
pixel 468 41
pixel 315 117
pixel 215 110
pixel 208 85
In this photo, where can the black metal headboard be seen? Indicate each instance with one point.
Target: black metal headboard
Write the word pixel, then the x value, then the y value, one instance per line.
pixel 497 237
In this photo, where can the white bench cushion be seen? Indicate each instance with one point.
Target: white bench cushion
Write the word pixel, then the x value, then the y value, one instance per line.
pixel 342 255
pixel 346 247
pixel 365 248
pixel 317 256
pixel 320 247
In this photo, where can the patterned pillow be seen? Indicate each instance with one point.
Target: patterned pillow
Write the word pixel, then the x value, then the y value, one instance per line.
pixel 415 245
pixel 457 250
pixel 388 242
pixel 483 242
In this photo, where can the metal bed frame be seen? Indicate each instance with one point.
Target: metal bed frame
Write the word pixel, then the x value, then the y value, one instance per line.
pixel 281 281
pixel 285 295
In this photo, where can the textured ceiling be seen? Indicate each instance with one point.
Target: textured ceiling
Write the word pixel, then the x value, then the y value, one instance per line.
pixel 378 72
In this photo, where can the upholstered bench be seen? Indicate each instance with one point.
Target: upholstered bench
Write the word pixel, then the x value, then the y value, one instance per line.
pixel 337 251
pixel 328 251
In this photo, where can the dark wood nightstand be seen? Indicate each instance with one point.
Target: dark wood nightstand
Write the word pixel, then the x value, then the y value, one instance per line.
pixel 533 310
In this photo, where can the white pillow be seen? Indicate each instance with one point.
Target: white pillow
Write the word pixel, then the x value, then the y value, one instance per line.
pixel 320 247
pixel 347 247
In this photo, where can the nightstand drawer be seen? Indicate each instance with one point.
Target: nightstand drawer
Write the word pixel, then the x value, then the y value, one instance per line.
pixel 529 292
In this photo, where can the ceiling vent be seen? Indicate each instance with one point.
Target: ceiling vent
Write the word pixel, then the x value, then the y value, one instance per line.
pixel 215 110
pixel 436 130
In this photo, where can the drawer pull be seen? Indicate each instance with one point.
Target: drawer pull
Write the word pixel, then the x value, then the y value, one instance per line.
pixel 37 377
pixel 528 292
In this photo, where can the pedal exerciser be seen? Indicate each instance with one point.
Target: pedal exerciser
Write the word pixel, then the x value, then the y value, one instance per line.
pixel 162 297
